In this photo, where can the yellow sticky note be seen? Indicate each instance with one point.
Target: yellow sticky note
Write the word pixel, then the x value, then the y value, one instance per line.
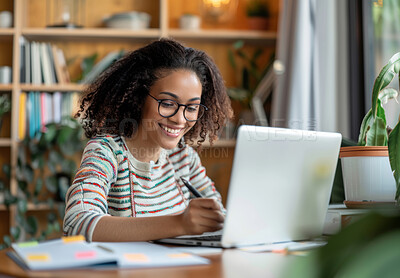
pixel 70 239
pixel 179 255
pixel 38 257
pixel 136 257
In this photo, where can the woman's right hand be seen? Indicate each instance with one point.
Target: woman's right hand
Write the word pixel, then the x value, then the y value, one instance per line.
pixel 202 215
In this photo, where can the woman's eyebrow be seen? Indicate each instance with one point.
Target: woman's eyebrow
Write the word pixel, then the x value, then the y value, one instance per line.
pixel 176 97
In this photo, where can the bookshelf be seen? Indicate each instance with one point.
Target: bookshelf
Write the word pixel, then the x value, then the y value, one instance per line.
pixel 30 20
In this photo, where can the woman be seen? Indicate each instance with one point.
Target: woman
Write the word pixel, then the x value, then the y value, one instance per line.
pixel 139 115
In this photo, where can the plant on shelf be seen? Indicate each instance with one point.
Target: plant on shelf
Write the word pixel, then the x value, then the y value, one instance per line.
pixel 45 168
pixel 248 70
pixel 258 13
pixel 374 130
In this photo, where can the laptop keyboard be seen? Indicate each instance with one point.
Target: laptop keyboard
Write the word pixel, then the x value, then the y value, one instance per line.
pixel 210 236
pixel 206 238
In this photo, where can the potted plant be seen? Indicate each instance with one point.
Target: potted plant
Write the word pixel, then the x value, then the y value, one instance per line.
pixel 257 13
pixel 367 171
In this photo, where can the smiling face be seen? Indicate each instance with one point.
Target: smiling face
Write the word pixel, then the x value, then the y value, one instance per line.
pixel 155 131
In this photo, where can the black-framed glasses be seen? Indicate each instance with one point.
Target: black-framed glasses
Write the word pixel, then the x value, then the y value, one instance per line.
pixel 169 107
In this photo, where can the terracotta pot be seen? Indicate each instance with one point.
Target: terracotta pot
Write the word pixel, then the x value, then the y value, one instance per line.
pixel 258 23
pixel 367 175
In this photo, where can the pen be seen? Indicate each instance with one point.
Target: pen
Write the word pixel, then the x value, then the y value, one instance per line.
pixel 194 191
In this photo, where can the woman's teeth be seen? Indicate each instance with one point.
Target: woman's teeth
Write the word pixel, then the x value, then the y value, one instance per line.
pixel 170 130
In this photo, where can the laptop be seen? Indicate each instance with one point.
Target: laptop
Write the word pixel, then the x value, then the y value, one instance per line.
pixel 279 190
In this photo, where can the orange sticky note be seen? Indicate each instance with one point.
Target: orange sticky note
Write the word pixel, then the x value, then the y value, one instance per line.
pixel 69 239
pixel 179 255
pixel 136 257
pixel 85 254
pixel 38 257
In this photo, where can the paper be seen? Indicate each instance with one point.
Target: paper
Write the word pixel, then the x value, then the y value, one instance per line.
pixel 285 246
pixel 75 252
pixel 145 254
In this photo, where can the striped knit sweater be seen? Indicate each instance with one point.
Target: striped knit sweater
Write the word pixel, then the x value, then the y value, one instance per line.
pixel 110 181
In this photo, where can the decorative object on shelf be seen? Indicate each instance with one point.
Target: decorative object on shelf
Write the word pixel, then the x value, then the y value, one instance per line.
pixel 189 22
pixel 368 158
pixel 6 19
pixel 54 150
pixel 128 20
pixel 5 107
pixel 5 75
pixel 218 11
pixel 250 74
pixel 257 14
pixel 65 13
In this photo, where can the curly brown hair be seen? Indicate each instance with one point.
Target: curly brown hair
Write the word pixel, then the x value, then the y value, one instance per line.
pixel 113 103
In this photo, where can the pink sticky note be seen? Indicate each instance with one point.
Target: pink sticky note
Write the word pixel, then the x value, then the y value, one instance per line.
pixel 85 254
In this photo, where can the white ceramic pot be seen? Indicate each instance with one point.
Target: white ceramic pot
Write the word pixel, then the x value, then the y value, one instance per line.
pixel 367 175
pixel 189 22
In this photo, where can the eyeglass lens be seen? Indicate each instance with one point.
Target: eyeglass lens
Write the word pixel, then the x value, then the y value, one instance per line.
pixel 191 112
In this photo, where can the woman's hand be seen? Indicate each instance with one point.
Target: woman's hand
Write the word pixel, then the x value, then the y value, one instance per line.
pixel 202 215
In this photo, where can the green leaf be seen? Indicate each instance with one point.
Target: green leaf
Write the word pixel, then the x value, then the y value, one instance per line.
pixel 15 232
pixel 231 58
pixel 68 166
pixel 28 173
pixel 394 156
pixel 38 186
pixel 238 44
pixel 23 185
pixel 50 133
pixel 384 78
pixel 7 170
pixel 65 134
pixel 32 225
pixel 37 161
pixel 22 206
pixel 51 184
pixel 388 93
pixel 377 134
pixel 368 264
pixel 7 240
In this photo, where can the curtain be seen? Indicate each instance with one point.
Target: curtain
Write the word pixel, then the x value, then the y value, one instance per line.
pixel 311 91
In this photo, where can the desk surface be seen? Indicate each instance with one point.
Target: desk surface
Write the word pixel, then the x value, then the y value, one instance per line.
pixel 229 263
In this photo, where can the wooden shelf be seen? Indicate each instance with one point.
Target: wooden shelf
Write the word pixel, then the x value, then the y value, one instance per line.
pixel 261 37
pixel 5 142
pixel 88 34
pixel 6 34
pixel 72 87
pixel 5 87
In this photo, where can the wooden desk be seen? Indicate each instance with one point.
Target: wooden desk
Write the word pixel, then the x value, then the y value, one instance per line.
pixel 227 264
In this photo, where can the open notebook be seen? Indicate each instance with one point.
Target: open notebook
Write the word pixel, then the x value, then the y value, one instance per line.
pixel 75 252
pixel 279 189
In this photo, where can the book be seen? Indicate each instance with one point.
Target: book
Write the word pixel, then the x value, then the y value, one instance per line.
pixel 63 65
pixel 22 61
pixel 36 64
pixel 60 73
pixel 46 65
pixel 28 70
pixel 75 252
pixel 22 116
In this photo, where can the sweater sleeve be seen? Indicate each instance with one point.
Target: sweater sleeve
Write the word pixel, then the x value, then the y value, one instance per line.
pixel 86 199
pixel 199 178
